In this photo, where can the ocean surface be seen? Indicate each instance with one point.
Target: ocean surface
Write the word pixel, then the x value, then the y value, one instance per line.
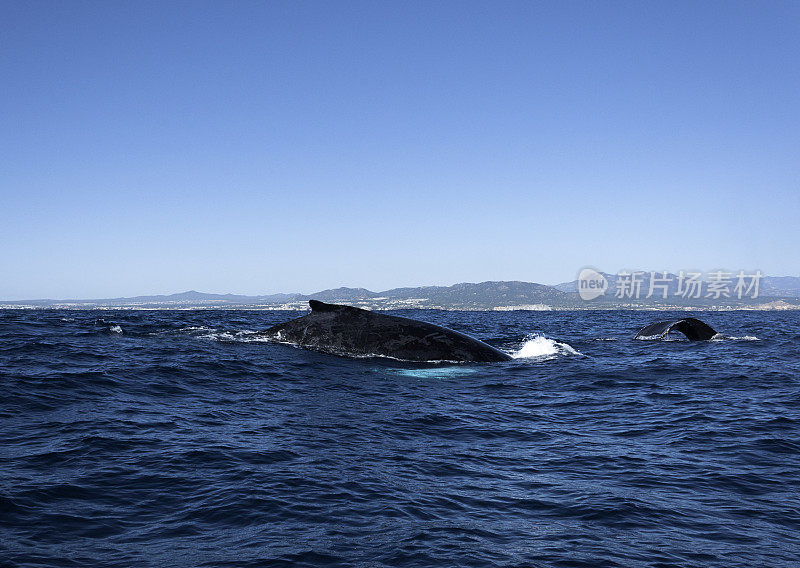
pixel 183 438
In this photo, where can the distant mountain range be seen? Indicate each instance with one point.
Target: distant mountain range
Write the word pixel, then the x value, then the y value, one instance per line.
pixel 781 292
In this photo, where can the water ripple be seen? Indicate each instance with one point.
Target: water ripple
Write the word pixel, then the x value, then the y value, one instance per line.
pixel 186 440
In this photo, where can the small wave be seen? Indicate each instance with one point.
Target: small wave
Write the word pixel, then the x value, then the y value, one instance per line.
pixel 676 337
pixel 243 336
pixel 540 346
pixel 115 329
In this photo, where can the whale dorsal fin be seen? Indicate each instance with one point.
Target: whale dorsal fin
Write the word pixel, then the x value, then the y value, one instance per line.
pixel 317 306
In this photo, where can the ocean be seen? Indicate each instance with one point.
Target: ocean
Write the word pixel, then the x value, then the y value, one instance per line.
pixel 184 438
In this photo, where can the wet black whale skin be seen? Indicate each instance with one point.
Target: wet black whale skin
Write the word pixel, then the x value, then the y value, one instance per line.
pixel 692 328
pixel 349 331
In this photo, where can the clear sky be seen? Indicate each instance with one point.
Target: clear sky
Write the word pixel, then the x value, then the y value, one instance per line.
pixel 259 147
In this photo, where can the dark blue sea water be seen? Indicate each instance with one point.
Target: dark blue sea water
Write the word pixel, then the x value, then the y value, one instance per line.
pixel 181 438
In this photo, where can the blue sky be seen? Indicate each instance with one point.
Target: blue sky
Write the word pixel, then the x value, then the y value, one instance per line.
pixel 258 147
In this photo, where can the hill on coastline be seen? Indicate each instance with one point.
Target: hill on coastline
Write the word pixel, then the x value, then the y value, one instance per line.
pixel 776 293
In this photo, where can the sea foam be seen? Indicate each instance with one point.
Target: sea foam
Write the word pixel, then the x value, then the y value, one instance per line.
pixel 540 346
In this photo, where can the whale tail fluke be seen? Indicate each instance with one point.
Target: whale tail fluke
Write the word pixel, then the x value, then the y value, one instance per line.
pixel 692 328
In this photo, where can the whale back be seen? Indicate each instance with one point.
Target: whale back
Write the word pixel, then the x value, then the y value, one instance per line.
pixel 349 331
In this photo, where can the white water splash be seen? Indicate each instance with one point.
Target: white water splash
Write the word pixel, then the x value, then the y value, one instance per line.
pixel 662 337
pixel 682 339
pixel 115 329
pixel 242 336
pixel 540 346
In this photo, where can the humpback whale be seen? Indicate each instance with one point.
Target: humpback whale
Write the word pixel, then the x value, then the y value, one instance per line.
pixel 349 331
pixel 692 328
